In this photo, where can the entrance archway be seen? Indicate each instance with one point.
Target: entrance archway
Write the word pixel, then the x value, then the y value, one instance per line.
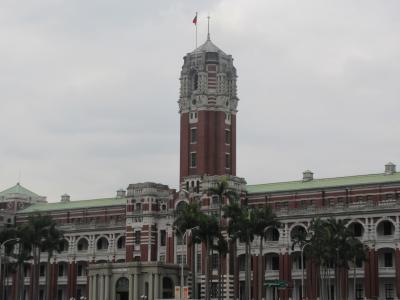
pixel 168 288
pixel 122 289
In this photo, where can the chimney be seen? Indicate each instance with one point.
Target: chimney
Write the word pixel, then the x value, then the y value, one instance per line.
pixel 390 168
pixel 121 193
pixel 65 198
pixel 308 176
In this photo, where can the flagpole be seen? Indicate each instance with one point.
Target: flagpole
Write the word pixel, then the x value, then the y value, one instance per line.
pixel 196 30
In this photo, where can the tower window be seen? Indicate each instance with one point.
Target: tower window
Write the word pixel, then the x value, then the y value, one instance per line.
pixel 163 237
pixel 137 237
pixel 193 135
pixel 193 159
pixel 227 160
pixel 227 136
pixel 195 81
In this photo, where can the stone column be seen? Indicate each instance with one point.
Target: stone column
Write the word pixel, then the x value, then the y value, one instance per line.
pixel 135 286
pixel 101 287
pixel 131 287
pixel 90 296
pixel 94 286
pixel 107 287
pixel 151 287
pixel 157 286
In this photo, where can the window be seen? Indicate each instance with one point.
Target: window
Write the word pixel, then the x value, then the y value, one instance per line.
pixel 162 258
pixel 193 159
pixel 198 262
pixel 195 82
pixel 227 160
pixel 121 243
pixel 179 259
pixel 193 135
pixel 214 261
pixel 41 271
pixel 137 237
pixel 61 270
pixel 227 136
pixel 80 270
pixel 388 260
pixel 179 240
pixel 138 207
pixel 359 263
pixel 163 237
pixel 357 229
pixel 389 291
pixel 83 245
pixel 359 291
pixel 275 263
pixel 387 228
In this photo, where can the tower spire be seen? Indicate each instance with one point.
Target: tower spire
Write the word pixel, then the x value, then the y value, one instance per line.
pixel 208 28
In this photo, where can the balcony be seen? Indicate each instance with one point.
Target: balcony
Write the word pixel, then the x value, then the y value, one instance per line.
pixel 387 272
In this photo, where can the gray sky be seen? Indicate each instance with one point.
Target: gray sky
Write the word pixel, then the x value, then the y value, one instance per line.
pixel 89 89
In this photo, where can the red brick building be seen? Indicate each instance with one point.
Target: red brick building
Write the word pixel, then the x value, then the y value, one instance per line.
pixel 124 247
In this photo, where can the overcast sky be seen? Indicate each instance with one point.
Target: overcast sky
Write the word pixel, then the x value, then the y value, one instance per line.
pixel 89 89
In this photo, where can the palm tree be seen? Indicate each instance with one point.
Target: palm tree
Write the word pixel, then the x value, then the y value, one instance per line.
pixel 207 229
pixel 224 193
pixel 52 243
pixel 35 231
pixel 264 218
pixel 241 226
pixel 222 248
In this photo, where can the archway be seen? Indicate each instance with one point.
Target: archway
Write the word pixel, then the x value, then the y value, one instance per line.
pixel 122 289
pixel 167 288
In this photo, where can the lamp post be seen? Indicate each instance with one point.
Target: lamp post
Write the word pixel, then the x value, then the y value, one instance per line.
pixel 302 268
pixel 2 245
pixel 182 281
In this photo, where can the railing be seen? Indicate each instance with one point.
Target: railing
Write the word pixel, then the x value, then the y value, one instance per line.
pixel 339 208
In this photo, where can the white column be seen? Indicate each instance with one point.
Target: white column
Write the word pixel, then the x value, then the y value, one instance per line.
pixel 101 287
pixel 135 286
pixel 157 286
pixel 107 287
pixel 90 297
pixel 151 287
pixel 130 287
pixel 94 291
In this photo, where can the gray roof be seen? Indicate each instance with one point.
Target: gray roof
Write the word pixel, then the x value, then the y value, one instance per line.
pixel 208 46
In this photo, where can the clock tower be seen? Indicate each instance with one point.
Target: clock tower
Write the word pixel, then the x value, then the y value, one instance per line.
pixel 207 107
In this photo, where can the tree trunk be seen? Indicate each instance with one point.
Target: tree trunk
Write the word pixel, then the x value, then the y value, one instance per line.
pixel 260 269
pixel 207 273
pixel 219 277
pixel 48 287
pixel 247 274
pixel 194 285
pixel 354 281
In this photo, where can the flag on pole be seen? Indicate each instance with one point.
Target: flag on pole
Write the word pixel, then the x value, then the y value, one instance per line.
pixel 195 20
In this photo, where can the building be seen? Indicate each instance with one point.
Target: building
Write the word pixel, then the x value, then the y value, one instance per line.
pixel 124 247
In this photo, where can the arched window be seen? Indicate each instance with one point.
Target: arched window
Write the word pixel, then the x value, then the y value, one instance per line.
pixel 121 242
pixel 102 243
pixel 83 245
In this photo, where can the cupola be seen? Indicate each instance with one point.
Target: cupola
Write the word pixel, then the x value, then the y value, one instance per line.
pixel 308 175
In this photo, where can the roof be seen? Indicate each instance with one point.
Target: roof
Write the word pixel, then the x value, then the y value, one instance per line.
pixel 18 189
pixel 323 183
pixel 40 207
pixel 208 46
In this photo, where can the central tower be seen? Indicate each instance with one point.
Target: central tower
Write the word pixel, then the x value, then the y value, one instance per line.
pixel 207 106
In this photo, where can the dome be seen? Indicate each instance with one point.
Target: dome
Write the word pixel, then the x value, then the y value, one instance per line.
pixel 208 46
